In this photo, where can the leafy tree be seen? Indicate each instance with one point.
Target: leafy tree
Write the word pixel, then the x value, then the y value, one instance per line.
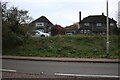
pixel 116 30
pixel 57 30
pixel 74 26
pixel 14 25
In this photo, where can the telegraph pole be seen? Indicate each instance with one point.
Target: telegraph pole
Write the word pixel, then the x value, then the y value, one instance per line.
pixel 107 42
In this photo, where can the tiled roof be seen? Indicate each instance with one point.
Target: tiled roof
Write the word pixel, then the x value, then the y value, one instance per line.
pixel 58 27
pixel 42 19
pixel 97 18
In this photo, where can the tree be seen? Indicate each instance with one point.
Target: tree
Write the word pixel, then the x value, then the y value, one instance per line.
pixel 14 25
pixel 74 26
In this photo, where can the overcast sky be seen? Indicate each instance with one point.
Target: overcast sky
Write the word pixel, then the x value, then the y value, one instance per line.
pixel 66 12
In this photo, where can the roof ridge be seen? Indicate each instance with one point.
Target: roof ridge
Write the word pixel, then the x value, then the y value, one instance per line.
pixel 95 15
pixel 97 18
pixel 42 18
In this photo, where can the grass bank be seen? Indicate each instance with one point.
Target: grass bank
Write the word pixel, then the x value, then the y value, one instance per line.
pixel 84 46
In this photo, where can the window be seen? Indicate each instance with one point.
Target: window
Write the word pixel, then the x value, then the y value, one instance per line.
pixel 41 30
pixel 88 31
pixel 38 24
pixel 111 24
pixel 81 31
pixel 86 24
pixel 85 31
pixel 98 24
pixel 50 27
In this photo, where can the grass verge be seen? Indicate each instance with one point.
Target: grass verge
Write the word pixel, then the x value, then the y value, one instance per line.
pixel 83 46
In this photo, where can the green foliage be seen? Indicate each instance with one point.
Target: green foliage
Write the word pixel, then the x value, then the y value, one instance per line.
pixel 54 31
pixel 116 30
pixel 14 25
pixel 87 46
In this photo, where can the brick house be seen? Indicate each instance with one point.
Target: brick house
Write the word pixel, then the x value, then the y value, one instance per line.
pixel 95 24
pixel 42 24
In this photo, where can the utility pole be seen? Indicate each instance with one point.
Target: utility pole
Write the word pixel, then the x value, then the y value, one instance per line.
pixel 107 42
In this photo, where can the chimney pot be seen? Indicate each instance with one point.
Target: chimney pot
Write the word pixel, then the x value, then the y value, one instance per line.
pixel 79 16
pixel 102 13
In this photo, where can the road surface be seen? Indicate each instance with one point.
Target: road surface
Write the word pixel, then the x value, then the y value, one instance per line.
pixel 52 68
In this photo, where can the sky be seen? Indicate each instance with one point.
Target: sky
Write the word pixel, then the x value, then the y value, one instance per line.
pixel 66 12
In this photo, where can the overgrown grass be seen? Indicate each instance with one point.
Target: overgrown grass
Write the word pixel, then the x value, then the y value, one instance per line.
pixel 84 46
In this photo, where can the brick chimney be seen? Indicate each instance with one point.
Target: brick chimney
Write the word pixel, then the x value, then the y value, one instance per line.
pixel 79 16
pixel 102 13
pixel 79 19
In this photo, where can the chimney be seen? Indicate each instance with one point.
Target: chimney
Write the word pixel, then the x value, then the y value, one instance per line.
pixel 79 16
pixel 79 19
pixel 102 13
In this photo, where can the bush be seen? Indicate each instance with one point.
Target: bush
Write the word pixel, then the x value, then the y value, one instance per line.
pixel 12 41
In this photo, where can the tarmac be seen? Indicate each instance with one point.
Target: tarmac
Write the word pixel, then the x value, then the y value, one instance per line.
pixel 62 59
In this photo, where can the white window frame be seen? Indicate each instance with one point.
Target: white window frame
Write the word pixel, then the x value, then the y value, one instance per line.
pixel 85 31
pixel 87 24
pixel 81 31
pixel 39 24
pixel 88 31
pixel 98 24
pixel 111 24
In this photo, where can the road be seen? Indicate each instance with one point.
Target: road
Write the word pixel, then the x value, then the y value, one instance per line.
pixel 51 68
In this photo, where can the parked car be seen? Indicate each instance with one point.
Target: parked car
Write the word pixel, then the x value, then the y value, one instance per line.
pixel 37 33
pixel 69 33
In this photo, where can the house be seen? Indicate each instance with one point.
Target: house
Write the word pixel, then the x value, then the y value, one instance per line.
pixel 96 24
pixel 42 24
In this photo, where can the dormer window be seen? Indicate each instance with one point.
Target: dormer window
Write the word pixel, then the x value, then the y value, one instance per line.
pixel 39 24
pixel 98 24
pixel 87 24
